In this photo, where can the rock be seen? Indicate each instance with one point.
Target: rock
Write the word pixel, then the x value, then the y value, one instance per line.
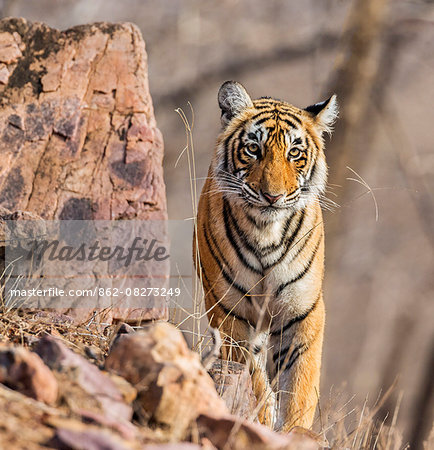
pixel 30 424
pixel 77 106
pixel 35 227
pixel 96 383
pixel 22 421
pixel 25 372
pixel 129 393
pixel 233 383
pixel 173 387
pixel 4 212
pixel 85 438
pixel 4 74
pixel 78 137
pixel 121 330
pixel 303 434
pixel 126 429
pixel 124 328
pixel 233 433
pixel 177 446
pixel 93 352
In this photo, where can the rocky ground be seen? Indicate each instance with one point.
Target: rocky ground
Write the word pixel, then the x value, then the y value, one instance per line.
pixel 92 386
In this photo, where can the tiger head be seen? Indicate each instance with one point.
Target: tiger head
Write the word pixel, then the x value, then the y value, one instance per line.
pixel 269 153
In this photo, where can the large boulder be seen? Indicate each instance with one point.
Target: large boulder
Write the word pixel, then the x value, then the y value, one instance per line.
pixel 173 386
pixel 78 137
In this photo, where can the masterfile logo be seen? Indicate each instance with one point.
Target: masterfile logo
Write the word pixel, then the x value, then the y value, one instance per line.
pixel 135 263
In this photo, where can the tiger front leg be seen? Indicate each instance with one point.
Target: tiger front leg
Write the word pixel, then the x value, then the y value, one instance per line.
pixel 240 344
pixel 294 368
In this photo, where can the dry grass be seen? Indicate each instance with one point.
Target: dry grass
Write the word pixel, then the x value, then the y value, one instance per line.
pixel 25 326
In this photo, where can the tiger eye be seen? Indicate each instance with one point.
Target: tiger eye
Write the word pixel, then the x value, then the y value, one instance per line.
pixel 294 153
pixel 253 149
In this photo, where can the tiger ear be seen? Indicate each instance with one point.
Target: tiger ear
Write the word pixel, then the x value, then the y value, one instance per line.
pixel 233 99
pixel 325 113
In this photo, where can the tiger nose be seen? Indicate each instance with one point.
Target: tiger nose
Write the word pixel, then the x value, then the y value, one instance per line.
pixel 272 198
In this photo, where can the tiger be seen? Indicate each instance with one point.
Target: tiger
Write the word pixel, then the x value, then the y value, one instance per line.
pixel 258 247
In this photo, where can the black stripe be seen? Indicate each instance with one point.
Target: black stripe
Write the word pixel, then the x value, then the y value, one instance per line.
pixel 240 143
pixel 264 119
pixel 228 312
pixel 291 238
pixel 256 349
pixel 214 241
pixel 280 355
pixel 289 247
pixel 226 148
pixel 312 140
pixel 259 225
pixel 265 105
pixel 234 147
pixel 239 150
pixel 302 159
pixel 302 273
pixel 219 303
pixel 314 167
pixel 226 276
pixel 306 238
pixel 280 352
pixel 295 320
pixel 293 116
pixel 298 351
pixel 252 189
pixel 227 215
pixel 288 112
pixel 267 250
pixel 210 248
pixel 260 114
pixel 290 123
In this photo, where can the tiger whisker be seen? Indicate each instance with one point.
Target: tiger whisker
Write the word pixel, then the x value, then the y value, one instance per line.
pixel 231 181
pixel 325 203
pixel 328 206
pixel 327 188
pixel 361 181
pixel 222 191
pixel 325 199
pixel 228 177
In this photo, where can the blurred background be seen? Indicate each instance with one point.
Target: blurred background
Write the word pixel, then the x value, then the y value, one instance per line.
pixel 378 56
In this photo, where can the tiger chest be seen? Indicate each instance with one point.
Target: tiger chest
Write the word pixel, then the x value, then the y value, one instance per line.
pixel 277 264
